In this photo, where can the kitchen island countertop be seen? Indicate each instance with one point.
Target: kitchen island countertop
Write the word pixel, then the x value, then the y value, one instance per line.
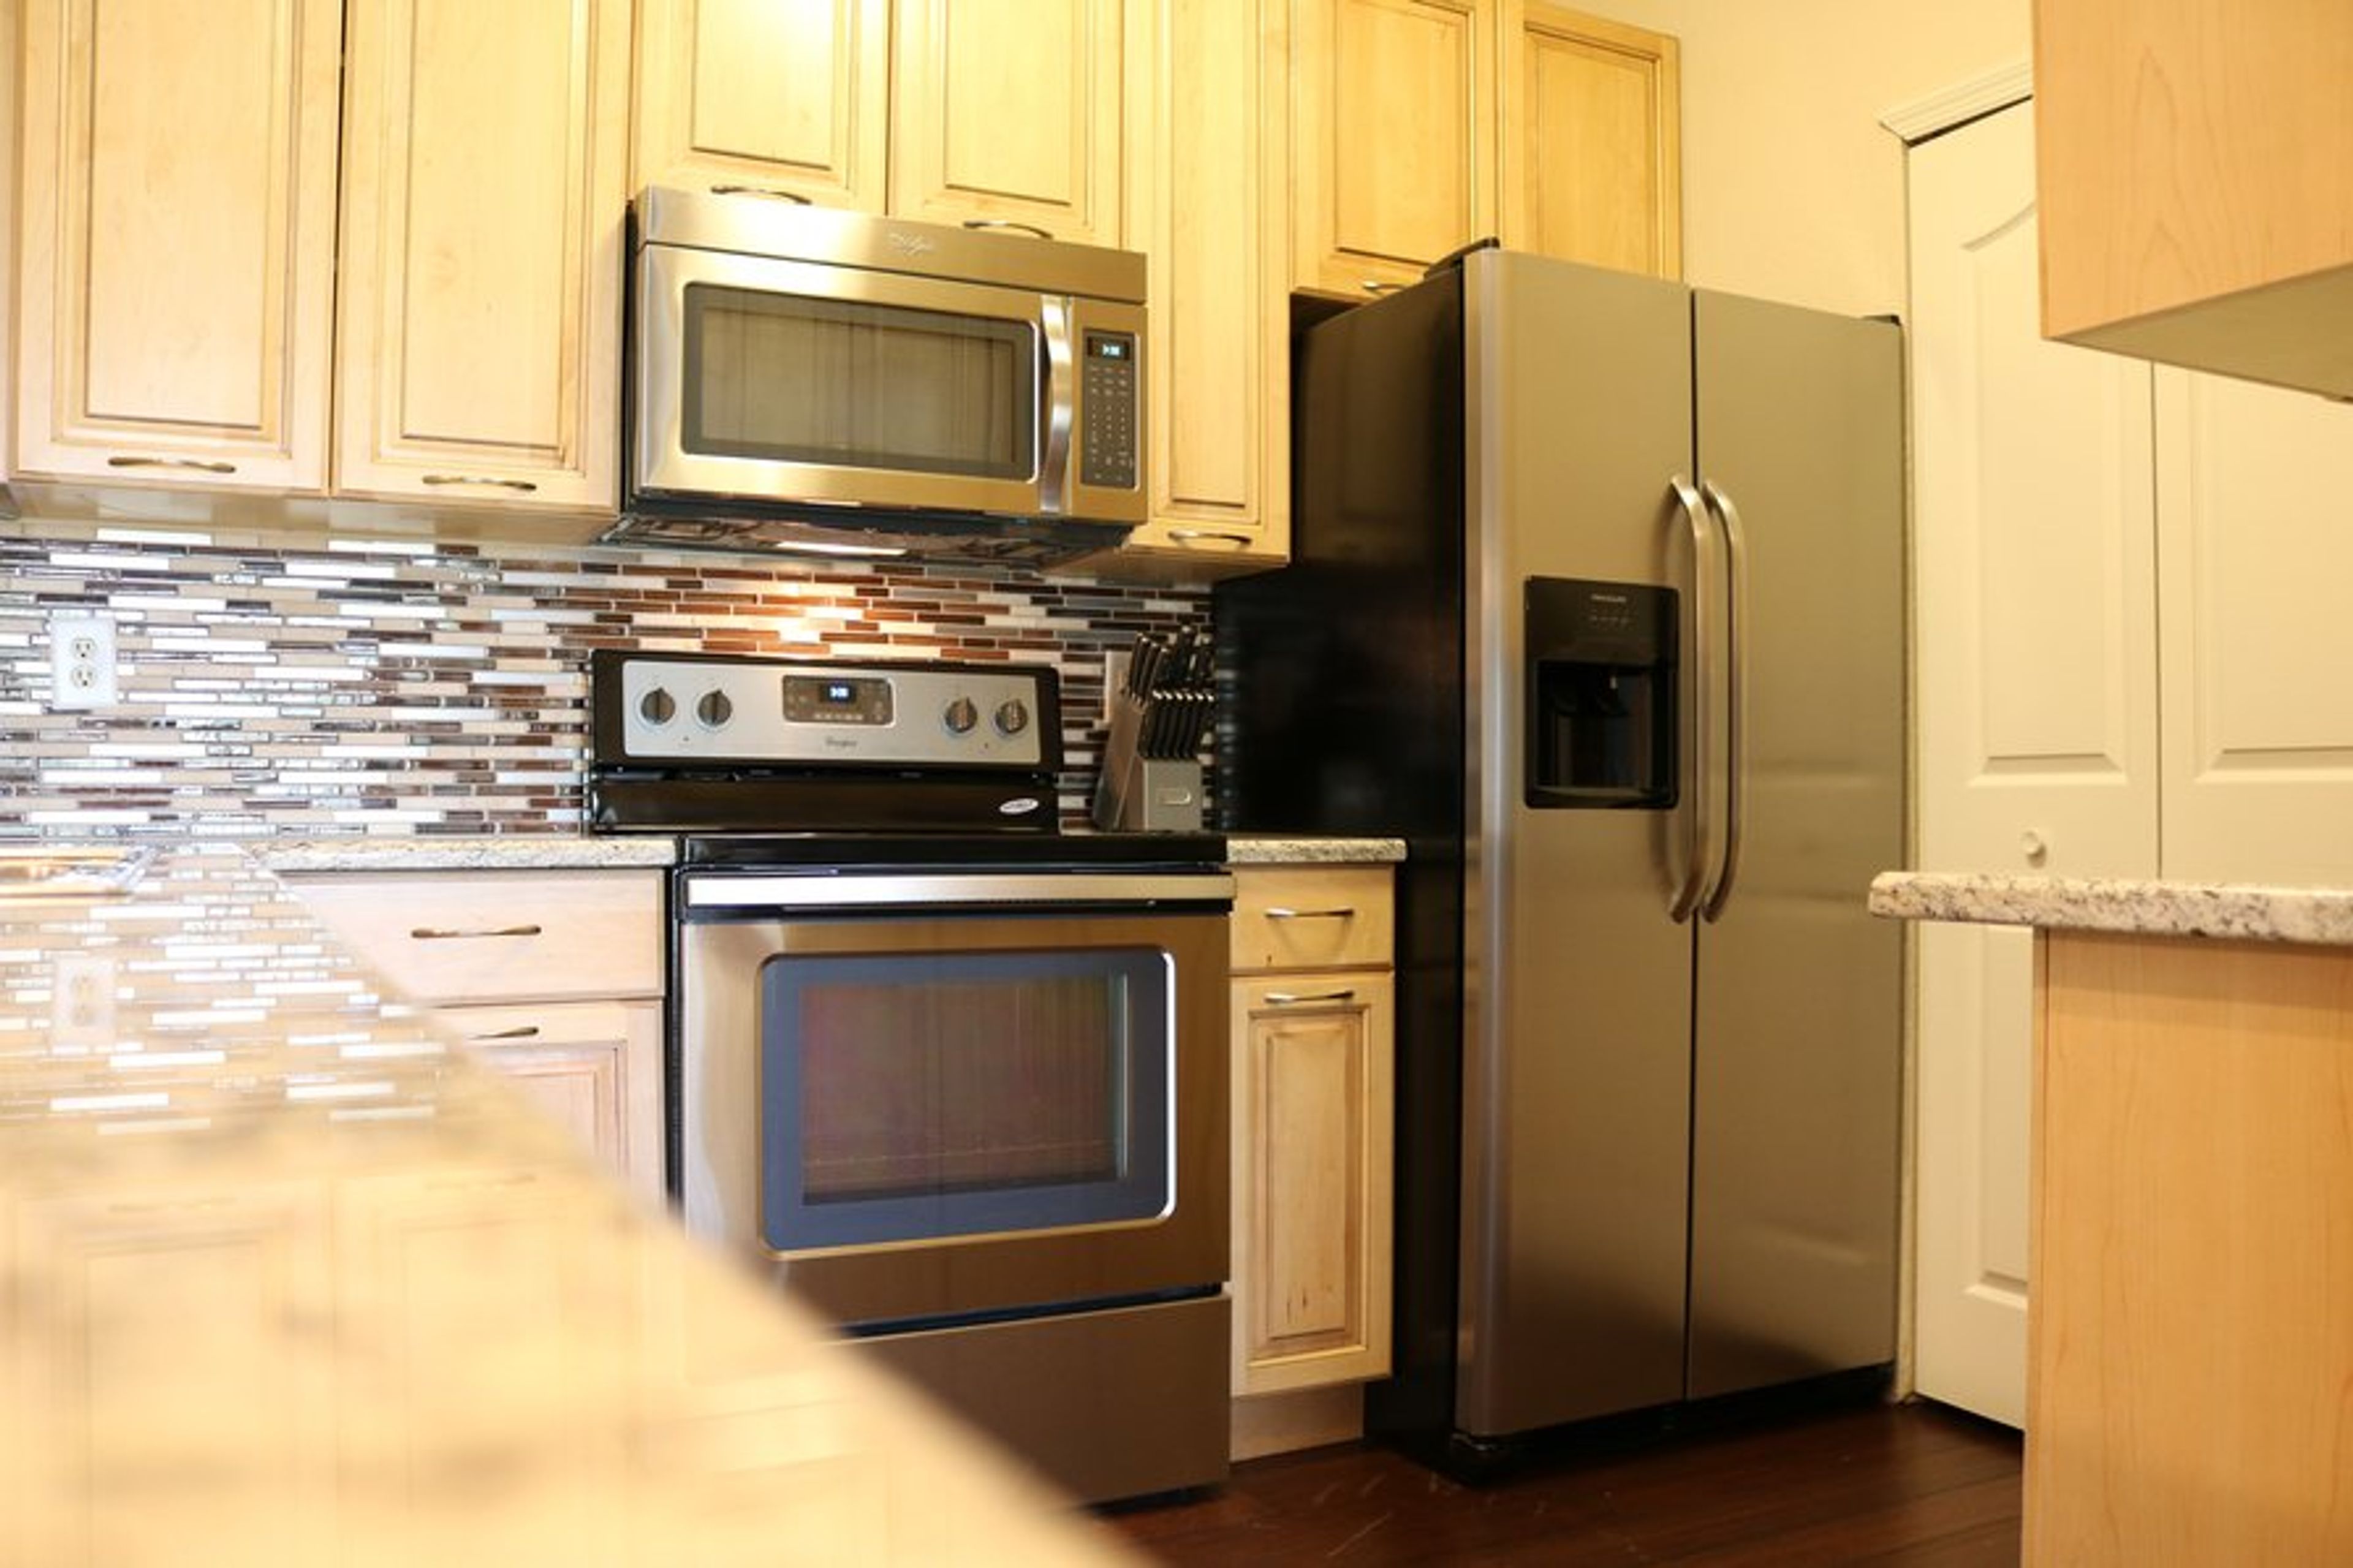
pixel 291 1278
pixel 2243 911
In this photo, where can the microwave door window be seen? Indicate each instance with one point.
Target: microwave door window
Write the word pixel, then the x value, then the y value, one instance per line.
pixel 780 377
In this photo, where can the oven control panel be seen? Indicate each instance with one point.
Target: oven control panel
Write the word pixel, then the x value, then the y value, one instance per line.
pixel 685 709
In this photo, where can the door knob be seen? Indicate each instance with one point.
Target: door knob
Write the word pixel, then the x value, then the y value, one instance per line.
pixel 2037 851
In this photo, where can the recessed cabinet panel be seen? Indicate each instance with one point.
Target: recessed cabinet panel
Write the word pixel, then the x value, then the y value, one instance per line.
pixel 483 197
pixel 1395 161
pixel 1592 141
pixel 176 252
pixel 2255 537
pixel 786 97
pixel 1008 111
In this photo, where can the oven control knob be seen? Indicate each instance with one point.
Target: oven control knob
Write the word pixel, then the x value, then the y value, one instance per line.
pixel 715 709
pixel 658 706
pixel 1012 717
pixel 961 716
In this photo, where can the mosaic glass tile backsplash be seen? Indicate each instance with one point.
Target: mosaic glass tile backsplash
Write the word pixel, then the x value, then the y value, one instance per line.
pixel 395 688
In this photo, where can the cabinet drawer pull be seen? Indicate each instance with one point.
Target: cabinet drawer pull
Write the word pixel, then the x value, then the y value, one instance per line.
pixel 1375 286
pixel 525 486
pixel 1280 914
pixel 1187 535
pixel 1293 998
pixel 443 933
pixel 1013 225
pixel 201 465
pixel 520 1032
pixel 772 193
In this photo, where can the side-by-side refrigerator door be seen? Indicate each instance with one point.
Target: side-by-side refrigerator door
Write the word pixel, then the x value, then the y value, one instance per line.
pixel 1577 994
pixel 1798 1005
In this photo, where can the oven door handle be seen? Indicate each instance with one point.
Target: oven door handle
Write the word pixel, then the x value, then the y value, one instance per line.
pixel 920 891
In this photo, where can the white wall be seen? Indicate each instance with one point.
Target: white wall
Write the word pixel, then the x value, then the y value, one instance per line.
pixel 1791 188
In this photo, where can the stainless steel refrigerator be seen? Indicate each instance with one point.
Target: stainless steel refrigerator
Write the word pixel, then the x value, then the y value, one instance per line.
pixel 1597 599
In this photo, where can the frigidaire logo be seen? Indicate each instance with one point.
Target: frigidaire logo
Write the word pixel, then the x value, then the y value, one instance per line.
pixel 907 244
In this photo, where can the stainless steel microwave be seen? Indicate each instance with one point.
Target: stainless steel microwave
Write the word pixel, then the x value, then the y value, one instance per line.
pixel 803 379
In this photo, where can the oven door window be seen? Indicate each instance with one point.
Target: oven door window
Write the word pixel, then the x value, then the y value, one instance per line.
pixel 854 384
pixel 918 1096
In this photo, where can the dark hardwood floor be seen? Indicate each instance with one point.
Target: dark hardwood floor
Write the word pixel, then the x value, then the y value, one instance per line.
pixel 1889 1484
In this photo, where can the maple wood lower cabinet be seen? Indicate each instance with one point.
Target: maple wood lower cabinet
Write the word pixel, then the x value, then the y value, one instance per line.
pixel 552 977
pixel 1313 1055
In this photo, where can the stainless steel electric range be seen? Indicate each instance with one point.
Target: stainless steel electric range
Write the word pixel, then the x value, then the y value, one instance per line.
pixel 949 1074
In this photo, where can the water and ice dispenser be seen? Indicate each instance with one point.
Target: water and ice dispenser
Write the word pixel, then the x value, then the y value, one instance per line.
pixel 1601 668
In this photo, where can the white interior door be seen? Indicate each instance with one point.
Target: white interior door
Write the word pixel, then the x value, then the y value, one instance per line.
pixel 2035 703
pixel 2255 535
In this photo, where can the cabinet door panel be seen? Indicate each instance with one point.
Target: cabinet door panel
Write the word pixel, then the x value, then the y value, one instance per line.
pixel 2033 571
pixel 483 198
pixel 1009 110
pixel 789 98
pixel 1393 163
pixel 1207 100
pixel 2256 547
pixel 594 1067
pixel 177 258
pixel 1592 141
pixel 1312 1115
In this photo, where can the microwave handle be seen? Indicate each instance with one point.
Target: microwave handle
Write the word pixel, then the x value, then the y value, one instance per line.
pixel 1062 389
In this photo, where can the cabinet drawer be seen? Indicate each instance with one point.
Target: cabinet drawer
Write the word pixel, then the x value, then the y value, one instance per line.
pixel 1312 918
pixel 497 936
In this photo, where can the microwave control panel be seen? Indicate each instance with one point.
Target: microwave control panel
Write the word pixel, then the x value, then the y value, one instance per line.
pixel 1107 402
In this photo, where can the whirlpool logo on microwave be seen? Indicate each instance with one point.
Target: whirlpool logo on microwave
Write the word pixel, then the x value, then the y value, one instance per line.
pixel 909 245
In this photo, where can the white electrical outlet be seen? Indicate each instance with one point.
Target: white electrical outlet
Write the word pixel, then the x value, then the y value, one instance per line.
pixel 81 1002
pixel 81 661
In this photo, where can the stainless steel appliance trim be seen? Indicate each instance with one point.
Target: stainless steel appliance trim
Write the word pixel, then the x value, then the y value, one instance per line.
pixel 1062 401
pixel 760 889
pixel 1700 774
pixel 728 221
pixel 1731 801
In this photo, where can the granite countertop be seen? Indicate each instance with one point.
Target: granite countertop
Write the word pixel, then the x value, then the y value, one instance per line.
pixel 554 851
pixel 456 852
pixel 2244 911
pixel 1285 849
pixel 285 1267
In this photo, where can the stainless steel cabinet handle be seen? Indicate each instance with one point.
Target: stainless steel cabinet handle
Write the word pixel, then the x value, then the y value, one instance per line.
pixel 1292 998
pixel 520 1032
pixel 1007 223
pixel 1375 286
pixel 773 195
pixel 1187 535
pixel 1700 808
pixel 442 933
pixel 202 464
pixel 1736 693
pixel 1061 404
pixel 1278 913
pixel 525 486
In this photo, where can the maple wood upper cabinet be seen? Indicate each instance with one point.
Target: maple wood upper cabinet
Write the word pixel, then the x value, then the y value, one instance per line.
pixel 2194 168
pixel 176 248
pixel 1592 139
pixel 1394 155
pixel 982 112
pixel 1208 105
pixel 1007 112
pixel 485 169
pixel 793 100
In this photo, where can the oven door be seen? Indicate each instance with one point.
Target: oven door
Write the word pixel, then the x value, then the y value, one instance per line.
pixel 918 1115
pixel 812 383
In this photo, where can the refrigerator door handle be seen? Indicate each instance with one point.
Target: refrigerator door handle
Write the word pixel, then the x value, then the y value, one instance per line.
pixel 1732 798
pixel 1699 811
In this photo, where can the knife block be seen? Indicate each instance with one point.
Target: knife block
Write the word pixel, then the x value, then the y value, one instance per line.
pixel 1137 794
